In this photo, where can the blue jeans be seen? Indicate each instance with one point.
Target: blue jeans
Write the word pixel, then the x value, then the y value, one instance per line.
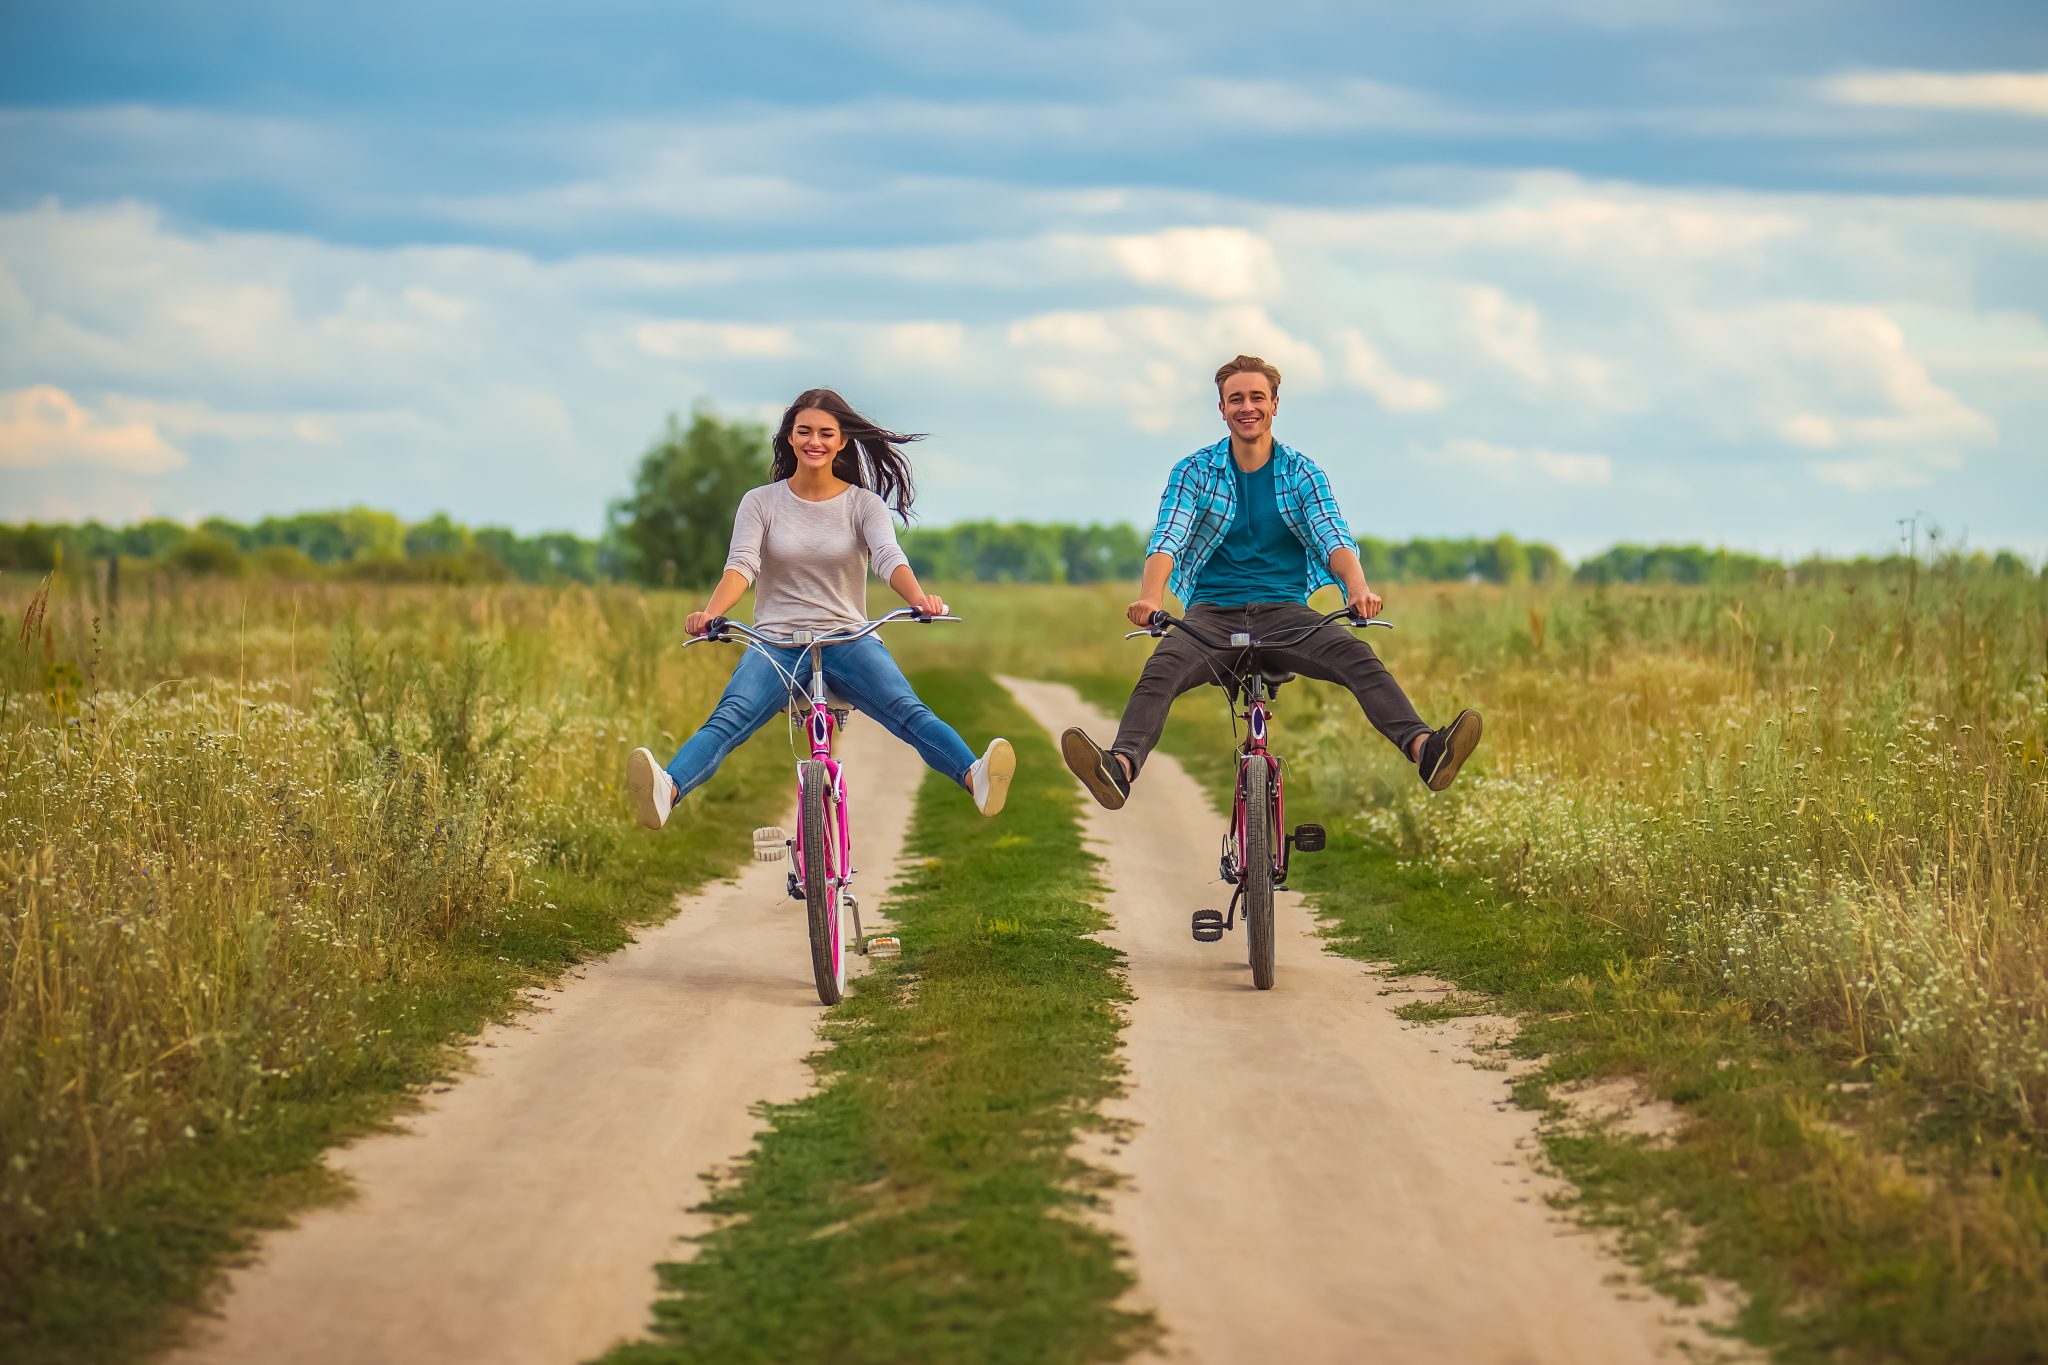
pixel 862 672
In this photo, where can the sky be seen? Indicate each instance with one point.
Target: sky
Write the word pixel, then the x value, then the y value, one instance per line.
pixel 1770 275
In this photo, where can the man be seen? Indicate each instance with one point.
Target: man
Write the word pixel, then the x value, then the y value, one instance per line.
pixel 1247 530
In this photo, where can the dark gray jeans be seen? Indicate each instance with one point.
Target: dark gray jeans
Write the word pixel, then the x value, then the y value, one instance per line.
pixel 1333 654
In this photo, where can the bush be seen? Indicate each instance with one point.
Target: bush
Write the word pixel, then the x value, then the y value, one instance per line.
pixel 203 554
pixel 286 561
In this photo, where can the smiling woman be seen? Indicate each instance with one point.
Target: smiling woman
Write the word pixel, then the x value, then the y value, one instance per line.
pixel 806 543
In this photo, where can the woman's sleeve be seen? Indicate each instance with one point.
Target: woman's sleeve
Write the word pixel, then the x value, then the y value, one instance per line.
pixel 885 556
pixel 748 528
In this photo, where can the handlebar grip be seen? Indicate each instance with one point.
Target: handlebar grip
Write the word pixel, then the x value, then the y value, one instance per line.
pixel 714 629
pixel 1158 619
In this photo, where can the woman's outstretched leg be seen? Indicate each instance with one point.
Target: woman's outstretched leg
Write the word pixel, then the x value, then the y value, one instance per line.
pixel 866 674
pixel 754 695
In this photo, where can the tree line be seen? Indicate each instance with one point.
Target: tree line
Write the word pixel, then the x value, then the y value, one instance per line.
pixel 673 525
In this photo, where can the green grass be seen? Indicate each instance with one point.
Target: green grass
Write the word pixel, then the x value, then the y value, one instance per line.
pixel 107 1286
pixel 1853 1233
pixel 1856 1229
pixel 925 1204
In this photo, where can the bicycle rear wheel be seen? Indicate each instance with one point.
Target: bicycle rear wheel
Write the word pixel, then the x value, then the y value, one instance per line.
pixel 821 891
pixel 1258 869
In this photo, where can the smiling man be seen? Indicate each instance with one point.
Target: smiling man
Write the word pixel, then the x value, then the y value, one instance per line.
pixel 1247 530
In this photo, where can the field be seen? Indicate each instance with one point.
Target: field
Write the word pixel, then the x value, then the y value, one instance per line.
pixel 264 850
pixel 1776 850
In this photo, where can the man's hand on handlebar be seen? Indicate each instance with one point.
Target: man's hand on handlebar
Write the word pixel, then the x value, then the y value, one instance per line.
pixel 1141 613
pixel 1364 604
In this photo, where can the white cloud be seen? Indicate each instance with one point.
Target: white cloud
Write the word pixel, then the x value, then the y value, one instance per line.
pixel 44 426
pixel 1809 429
pixel 680 339
pixel 1513 464
pixel 1879 473
pixel 1156 364
pixel 1365 368
pixel 1511 334
pixel 1207 262
pixel 2001 92
pixel 1823 375
pixel 937 345
pixel 1864 341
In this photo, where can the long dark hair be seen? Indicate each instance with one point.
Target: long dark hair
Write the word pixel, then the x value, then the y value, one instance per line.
pixel 871 459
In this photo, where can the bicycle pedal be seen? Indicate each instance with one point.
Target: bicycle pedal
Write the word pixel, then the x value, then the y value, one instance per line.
pixel 1309 838
pixel 882 945
pixel 1207 926
pixel 771 844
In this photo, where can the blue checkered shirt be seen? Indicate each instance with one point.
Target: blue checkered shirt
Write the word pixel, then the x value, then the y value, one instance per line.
pixel 1201 501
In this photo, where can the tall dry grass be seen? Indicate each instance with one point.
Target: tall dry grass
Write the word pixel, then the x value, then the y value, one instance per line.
pixel 240 824
pixel 1827 802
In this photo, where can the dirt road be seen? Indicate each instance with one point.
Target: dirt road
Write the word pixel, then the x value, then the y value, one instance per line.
pixel 520 1217
pixel 1310 1178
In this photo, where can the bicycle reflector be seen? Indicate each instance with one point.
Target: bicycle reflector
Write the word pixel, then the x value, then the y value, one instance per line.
pixel 771 843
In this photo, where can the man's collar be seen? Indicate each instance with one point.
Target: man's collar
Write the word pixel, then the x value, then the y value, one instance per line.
pixel 1219 454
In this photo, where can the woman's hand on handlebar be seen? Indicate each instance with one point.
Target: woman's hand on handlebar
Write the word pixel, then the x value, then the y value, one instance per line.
pixel 930 603
pixel 698 622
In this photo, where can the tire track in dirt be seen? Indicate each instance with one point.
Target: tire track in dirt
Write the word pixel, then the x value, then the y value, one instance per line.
pixel 519 1216
pixel 1307 1177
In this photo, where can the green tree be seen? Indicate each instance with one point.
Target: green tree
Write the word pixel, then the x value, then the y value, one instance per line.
pixel 675 526
pixel 438 535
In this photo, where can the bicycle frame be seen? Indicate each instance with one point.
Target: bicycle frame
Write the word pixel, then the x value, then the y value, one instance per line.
pixel 1255 716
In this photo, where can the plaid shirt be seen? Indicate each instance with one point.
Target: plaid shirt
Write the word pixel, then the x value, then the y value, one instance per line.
pixel 1201 501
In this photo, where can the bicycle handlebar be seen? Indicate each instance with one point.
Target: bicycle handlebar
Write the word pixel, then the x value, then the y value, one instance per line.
pixel 720 630
pixel 1161 623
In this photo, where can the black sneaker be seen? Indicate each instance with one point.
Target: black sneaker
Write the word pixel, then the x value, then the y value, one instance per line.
pixel 1446 750
pixel 1097 768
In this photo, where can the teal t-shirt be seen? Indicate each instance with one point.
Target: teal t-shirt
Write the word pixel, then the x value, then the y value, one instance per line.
pixel 1259 560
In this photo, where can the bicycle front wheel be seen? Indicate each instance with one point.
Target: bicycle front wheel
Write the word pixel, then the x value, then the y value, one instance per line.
pixel 1258 869
pixel 821 888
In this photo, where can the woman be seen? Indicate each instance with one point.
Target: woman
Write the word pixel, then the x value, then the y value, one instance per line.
pixel 805 542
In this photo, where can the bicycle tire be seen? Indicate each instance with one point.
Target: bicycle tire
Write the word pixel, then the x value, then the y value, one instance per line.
pixel 821 898
pixel 1258 870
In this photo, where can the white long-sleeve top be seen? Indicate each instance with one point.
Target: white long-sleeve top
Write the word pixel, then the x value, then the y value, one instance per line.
pixel 808 561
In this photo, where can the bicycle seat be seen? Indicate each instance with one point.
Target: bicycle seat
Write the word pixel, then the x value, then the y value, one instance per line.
pixel 1273 678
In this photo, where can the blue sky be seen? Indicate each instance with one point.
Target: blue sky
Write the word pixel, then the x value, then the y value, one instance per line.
pixel 1769 275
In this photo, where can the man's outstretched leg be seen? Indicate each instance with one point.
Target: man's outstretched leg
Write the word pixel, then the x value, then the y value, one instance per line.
pixel 1335 654
pixel 1176 665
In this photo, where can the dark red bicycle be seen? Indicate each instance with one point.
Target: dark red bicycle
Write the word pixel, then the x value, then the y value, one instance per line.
pixel 1252 862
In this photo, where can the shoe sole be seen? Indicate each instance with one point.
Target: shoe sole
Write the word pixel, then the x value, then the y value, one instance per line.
pixel 1090 765
pixel 1463 739
pixel 1002 766
pixel 640 776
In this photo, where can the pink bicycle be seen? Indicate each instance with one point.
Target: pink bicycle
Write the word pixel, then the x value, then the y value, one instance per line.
pixel 821 852
pixel 1252 861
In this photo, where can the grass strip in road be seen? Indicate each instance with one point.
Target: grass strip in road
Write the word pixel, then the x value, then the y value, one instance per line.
pixel 922 1204
pixel 109 1287
pixel 1857 1228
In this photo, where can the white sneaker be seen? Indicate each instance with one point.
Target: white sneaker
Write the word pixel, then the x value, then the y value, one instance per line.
pixel 989 778
pixel 652 790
